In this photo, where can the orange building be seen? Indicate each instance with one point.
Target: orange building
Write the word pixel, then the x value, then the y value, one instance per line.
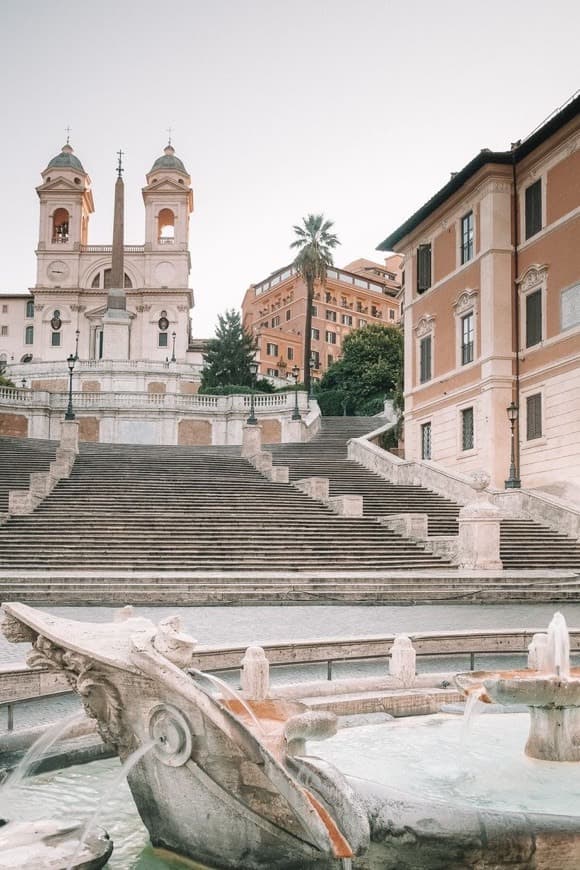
pixel 275 312
pixel 492 313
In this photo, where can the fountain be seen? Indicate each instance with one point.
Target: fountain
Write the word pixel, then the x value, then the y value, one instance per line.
pixel 246 783
pixel 551 691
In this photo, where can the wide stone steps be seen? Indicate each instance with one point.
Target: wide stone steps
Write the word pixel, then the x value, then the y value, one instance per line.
pixel 18 459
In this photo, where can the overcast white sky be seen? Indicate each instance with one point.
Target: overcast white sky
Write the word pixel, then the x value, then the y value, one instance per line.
pixel 356 108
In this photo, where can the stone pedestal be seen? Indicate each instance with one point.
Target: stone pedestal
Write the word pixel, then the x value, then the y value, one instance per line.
pixel 116 330
pixel 255 676
pixel 251 440
pixel 347 505
pixel 479 530
pixel 316 487
pixel 403 660
pixel 69 435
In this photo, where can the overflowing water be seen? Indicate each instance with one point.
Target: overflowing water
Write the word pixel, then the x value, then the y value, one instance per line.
pixel 34 755
pixel 473 706
pixel 228 690
pixel 557 652
pixel 423 755
pixel 91 822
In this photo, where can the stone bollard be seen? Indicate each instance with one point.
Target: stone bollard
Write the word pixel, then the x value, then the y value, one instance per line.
pixel 262 461
pixel 346 505
pixel 403 660
pixel 316 487
pixel 537 652
pixel 479 530
pixel 69 435
pixel 255 677
pixel 251 440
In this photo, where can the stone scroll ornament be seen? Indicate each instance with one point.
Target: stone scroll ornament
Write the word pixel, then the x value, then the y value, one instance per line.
pixel 99 696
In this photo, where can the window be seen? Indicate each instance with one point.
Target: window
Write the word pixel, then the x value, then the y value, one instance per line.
pixel 314 310
pixel 344 301
pixel 4 330
pixel 533 209
pixel 315 334
pixel 163 339
pixel 272 372
pixel 425 359
pixel 276 321
pixel 290 353
pixel 4 309
pixel 467 238
pixel 60 221
pixel 347 319
pixel 331 315
pixel 55 339
pixel 30 308
pixel 533 318
pixel 467 339
pixel 534 416
pixel 272 349
pixel 391 314
pixel 29 335
pixel 329 359
pixel 288 313
pixel 361 322
pixel 423 268
pixel 426 441
pixel 467 429
pixel 315 357
pixel 330 337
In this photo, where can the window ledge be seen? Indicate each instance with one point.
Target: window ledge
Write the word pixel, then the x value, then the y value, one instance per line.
pixel 465 454
pixel 534 442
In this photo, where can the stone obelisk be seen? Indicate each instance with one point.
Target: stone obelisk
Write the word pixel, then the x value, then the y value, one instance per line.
pixel 116 320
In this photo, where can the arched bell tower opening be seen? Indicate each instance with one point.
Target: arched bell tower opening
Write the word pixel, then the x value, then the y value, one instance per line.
pixel 166 227
pixel 168 203
pixel 60 226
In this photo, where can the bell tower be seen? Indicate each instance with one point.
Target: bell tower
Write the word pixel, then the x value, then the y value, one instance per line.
pixel 66 203
pixel 168 199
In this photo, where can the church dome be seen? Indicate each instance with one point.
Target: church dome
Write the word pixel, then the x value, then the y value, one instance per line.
pixel 169 161
pixel 66 160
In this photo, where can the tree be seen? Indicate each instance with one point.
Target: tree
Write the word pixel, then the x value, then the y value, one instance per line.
pixel 228 355
pixel 369 370
pixel 314 243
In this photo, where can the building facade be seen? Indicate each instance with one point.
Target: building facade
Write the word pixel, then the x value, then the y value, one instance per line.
pixel 64 311
pixel 492 313
pixel 274 311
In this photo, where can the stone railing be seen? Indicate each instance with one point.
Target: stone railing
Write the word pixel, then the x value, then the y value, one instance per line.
pixel 108 249
pixel 521 503
pixel 102 366
pixel 138 400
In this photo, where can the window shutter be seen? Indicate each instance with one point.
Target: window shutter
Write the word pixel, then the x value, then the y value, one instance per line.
pixel 533 318
pixel 467 429
pixel 423 268
pixel 534 416
pixel 425 359
pixel 533 209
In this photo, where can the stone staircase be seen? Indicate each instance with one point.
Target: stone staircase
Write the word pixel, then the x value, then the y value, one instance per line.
pixel 19 457
pixel 132 508
pixel 525 544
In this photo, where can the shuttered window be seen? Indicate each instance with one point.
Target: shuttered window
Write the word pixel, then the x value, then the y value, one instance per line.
pixel 467 440
pixel 534 416
pixel 426 441
pixel 467 238
pixel 425 359
pixel 423 268
pixel 533 318
pixel 533 208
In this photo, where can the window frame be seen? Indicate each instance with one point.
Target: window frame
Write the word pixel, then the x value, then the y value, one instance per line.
pixel 534 438
pixel 426 429
pixel 425 361
pixel 29 330
pixel 271 349
pixel 467 245
pixel 467 348
pixel 330 337
pixel 530 229
pixel 424 268
pixel 55 335
pixel 463 416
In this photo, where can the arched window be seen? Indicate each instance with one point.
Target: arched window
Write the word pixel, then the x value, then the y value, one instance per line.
pixel 29 335
pixel 166 227
pixel 60 221
pixel 30 308
pixel 103 280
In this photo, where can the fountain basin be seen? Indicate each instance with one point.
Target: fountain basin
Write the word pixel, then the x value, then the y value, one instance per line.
pixel 51 844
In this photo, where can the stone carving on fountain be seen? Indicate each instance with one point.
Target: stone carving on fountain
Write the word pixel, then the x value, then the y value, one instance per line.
pixel 223 784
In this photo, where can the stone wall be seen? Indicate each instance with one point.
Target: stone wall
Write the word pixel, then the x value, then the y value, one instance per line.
pixel 88 428
pixel 194 433
pixel 13 425
pixel 271 431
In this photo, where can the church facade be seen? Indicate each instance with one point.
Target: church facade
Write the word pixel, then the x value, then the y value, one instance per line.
pixel 66 310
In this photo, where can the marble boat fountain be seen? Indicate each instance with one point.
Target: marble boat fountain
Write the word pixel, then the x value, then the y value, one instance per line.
pixel 232 783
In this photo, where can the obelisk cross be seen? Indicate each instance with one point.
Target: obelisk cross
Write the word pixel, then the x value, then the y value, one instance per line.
pixel 120 169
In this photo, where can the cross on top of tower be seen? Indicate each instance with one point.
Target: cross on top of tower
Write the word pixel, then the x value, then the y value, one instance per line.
pixel 67 129
pixel 120 169
pixel 169 131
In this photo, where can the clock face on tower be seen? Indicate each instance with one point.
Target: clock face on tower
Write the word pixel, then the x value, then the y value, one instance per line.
pixel 57 271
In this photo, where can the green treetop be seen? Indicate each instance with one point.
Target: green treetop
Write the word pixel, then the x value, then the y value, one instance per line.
pixel 228 355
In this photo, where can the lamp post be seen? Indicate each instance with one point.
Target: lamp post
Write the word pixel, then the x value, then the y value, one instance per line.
pixel 252 419
pixel 296 413
pixel 312 366
pixel 70 361
pixel 77 334
pixel 513 481
pixel 173 334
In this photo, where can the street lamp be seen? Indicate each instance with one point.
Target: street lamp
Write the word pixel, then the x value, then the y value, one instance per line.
pixel 296 413
pixel 312 365
pixel 173 349
pixel 70 361
pixel 513 481
pixel 77 333
pixel 252 419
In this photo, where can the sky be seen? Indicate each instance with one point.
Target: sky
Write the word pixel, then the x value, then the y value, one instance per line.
pixel 359 109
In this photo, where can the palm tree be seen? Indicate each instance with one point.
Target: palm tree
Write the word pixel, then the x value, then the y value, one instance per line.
pixel 314 242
